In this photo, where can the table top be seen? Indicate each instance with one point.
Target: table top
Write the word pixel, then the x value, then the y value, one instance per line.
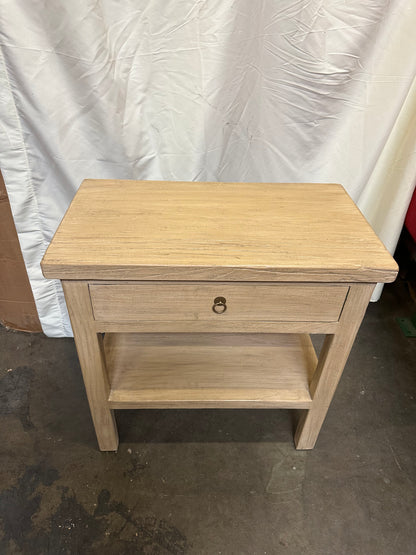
pixel 117 229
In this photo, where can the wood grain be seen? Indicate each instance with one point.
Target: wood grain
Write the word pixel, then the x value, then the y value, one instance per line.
pixel 91 357
pixel 178 301
pixel 216 231
pixel 332 359
pixel 197 326
pixel 209 370
pixel 171 248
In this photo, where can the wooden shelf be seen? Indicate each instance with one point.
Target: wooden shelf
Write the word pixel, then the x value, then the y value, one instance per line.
pixel 174 370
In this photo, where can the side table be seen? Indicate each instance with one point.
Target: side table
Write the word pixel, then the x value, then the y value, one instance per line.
pixel 204 295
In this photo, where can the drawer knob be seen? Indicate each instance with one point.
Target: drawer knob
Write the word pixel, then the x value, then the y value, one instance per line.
pixel 219 306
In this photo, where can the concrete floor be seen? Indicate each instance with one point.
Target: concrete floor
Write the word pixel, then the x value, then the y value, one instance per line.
pixel 211 481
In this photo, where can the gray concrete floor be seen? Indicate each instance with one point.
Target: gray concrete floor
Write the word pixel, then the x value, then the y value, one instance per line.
pixel 211 481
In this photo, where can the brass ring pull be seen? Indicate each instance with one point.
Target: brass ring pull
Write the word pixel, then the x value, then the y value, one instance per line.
pixel 219 306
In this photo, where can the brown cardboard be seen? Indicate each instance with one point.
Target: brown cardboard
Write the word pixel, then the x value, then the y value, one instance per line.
pixel 17 305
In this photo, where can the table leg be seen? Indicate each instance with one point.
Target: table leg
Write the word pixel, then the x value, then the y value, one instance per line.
pixel 332 359
pixel 91 356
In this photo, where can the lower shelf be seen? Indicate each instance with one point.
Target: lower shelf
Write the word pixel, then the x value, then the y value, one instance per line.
pixel 209 370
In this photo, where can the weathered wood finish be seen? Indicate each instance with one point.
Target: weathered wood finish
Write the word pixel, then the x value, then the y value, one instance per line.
pixel 198 326
pixel 216 232
pixel 91 358
pixel 143 261
pixel 209 370
pixel 332 359
pixel 177 301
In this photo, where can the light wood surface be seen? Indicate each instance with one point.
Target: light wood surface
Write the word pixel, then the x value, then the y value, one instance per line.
pixel 209 370
pixel 332 359
pixel 178 301
pixel 152 256
pixel 91 357
pixel 212 326
pixel 216 231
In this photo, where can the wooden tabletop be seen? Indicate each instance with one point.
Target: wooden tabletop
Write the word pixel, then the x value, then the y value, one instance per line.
pixel 143 230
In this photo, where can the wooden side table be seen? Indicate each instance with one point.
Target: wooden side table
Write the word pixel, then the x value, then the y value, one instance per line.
pixel 207 294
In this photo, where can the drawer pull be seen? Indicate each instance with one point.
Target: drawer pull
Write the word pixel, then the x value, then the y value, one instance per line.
pixel 219 306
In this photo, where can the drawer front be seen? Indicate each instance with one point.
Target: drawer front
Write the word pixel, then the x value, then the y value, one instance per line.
pixel 215 301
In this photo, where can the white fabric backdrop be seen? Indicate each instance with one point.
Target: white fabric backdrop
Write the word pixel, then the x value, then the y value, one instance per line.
pixel 241 90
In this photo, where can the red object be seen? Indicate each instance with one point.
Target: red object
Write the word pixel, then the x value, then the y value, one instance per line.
pixel 410 221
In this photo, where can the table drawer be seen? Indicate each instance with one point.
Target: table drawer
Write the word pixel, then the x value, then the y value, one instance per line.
pixel 210 301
